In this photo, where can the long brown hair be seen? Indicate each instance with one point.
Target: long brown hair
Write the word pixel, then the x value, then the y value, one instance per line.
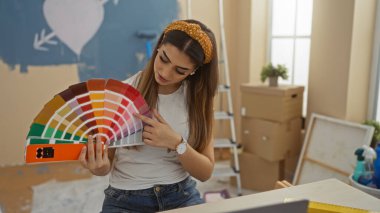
pixel 201 87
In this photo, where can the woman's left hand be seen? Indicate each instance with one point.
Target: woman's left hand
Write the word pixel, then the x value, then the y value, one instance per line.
pixel 158 132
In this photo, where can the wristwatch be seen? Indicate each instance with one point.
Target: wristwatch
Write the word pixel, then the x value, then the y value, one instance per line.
pixel 181 148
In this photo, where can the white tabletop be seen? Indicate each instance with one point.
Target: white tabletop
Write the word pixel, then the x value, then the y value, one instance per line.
pixel 330 191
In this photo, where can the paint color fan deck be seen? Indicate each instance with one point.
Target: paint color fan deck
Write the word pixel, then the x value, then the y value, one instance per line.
pixel 98 107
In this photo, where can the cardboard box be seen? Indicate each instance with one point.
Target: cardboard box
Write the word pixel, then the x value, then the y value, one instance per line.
pixel 271 103
pixel 291 160
pixel 257 173
pixel 270 140
pixel 290 167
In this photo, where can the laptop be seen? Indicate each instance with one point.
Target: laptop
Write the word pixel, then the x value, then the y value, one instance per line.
pixel 299 206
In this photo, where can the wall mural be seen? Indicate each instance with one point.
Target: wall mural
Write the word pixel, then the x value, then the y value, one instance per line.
pixel 69 28
pixel 106 39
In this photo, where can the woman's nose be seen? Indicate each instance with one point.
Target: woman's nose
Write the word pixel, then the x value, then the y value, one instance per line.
pixel 166 71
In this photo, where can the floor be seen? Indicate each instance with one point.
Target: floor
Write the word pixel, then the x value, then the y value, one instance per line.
pixel 53 187
pixel 17 182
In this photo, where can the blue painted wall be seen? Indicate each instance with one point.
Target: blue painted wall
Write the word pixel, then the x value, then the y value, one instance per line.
pixel 111 53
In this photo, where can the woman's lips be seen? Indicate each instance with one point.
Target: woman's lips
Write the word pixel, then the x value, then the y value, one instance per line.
pixel 161 78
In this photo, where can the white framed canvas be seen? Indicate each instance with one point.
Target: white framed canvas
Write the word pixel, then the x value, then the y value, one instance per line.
pixel 328 149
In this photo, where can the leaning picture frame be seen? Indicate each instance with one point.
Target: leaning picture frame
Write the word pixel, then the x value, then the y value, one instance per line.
pixel 328 149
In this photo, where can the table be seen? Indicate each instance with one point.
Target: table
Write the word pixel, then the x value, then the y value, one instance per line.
pixel 328 191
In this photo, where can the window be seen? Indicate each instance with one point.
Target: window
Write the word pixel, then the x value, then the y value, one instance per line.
pixel 378 99
pixel 374 91
pixel 376 66
pixel 376 77
pixel 289 40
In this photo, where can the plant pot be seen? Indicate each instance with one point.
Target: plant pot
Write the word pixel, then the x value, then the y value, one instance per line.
pixel 273 81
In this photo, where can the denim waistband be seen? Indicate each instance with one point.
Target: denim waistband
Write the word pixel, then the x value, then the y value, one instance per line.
pixel 159 188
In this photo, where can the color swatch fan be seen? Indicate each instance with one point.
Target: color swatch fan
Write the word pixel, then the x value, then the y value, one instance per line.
pixel 98 107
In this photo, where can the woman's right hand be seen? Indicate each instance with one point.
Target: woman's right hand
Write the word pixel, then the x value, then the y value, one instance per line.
pixel 97 160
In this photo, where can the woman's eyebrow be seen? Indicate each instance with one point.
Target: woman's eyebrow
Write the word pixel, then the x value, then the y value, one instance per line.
pixel 166 56
pixel 163 51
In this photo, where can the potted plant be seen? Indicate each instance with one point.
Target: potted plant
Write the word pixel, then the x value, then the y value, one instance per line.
pixel 376 133
pixel 271 72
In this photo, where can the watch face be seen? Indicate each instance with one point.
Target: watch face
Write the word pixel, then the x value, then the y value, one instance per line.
pixel 181 148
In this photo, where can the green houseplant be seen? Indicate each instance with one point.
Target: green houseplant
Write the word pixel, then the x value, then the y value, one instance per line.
pixel 271 72
pixel 376 133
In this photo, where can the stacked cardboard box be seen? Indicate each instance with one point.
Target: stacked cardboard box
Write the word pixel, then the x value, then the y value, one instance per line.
pixel 271 127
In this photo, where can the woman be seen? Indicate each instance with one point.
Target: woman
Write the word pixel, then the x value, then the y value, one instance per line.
pixel 179 84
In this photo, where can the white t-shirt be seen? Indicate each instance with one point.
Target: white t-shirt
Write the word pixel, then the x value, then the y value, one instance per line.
pixel 147 166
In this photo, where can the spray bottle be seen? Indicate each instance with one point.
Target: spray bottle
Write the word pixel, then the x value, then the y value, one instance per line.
pixel 359 169
pixel 369 155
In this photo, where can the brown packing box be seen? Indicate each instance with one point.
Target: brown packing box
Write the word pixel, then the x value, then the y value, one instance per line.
pixel 290 167
pixel 291 159
pixel 257 173
pixel 270 140
pixel 271 103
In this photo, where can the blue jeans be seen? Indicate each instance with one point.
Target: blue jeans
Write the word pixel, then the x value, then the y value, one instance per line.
pixel 157 198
